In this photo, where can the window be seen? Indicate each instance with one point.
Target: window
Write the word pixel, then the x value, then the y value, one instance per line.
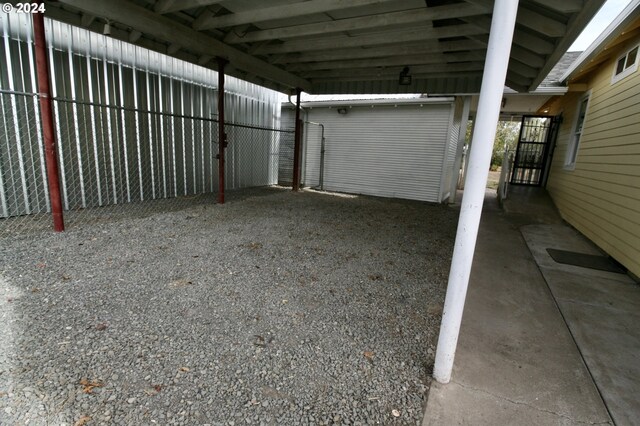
pixel 625 65
pixel 574 143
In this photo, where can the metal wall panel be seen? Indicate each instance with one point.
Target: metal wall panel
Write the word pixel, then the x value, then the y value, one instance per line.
pixel 382 150
pixel 131 124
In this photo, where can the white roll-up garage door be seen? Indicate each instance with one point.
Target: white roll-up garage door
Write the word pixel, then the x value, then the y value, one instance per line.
pixel 385 151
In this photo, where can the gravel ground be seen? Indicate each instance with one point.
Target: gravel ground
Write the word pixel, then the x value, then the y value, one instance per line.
pixel 275 308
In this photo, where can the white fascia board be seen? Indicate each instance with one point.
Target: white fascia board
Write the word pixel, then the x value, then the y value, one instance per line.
pixel 546 90
pixel 609 34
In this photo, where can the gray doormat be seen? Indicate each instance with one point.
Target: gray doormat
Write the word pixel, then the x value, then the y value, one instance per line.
pixel 590 261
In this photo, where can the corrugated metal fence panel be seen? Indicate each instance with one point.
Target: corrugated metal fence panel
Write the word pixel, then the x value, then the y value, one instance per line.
pixel 287 140
pixel 109 155
pixel 383 151
pixel 452 144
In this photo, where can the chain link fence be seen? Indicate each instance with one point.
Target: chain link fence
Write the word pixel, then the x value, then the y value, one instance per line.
pixel 24 196
pixel 119 162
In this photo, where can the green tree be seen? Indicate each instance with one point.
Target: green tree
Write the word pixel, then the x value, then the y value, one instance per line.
pixel 507 133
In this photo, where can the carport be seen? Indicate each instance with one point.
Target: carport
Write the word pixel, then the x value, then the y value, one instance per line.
pixel 438 47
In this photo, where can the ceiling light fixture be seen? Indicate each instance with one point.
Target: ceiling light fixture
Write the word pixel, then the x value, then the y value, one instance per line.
pixel 405 77
pixel 107 28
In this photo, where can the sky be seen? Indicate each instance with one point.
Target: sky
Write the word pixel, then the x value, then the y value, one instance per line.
pixel 600 21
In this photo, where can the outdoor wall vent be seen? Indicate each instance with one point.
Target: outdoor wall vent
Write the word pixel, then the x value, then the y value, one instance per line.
pixel 405 77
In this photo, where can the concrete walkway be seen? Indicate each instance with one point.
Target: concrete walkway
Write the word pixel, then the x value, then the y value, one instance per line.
pixel 602 312
pixel 516 363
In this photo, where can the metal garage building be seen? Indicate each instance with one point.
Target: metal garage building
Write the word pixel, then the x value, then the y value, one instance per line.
pixel 400 148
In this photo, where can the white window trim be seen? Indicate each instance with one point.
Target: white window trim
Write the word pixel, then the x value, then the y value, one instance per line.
pixel 628 71
pixel 569 163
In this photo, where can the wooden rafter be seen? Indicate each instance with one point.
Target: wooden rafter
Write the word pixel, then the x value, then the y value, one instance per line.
pixel 281 12
pixel 360 52
pixel 377 39
pixel 395 70
pixel 168 6
pixel 391 61
pixel 406 17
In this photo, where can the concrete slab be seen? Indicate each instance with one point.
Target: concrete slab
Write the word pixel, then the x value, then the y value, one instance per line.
pixel 602 310
pixel 516 361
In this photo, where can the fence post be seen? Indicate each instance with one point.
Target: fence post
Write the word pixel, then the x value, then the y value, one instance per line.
pixel 296 146
pixel 222 136
pixel 46 112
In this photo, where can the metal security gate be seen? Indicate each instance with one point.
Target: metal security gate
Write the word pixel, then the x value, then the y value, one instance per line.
pixel 537 134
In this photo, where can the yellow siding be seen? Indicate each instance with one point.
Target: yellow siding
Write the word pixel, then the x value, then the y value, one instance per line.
pixel 601 196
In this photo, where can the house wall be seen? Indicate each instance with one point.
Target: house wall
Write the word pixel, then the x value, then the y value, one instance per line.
pixel 601 196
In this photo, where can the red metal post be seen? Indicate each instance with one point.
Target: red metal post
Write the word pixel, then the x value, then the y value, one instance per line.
pixel 222 137
pixel 46 112
pixel 296 146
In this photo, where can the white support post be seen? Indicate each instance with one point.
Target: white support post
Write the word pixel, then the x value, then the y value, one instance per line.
pixel 495 72
pixel 455 174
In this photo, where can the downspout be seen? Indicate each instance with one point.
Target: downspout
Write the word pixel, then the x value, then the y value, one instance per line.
pixel 46 111
pixel 493 78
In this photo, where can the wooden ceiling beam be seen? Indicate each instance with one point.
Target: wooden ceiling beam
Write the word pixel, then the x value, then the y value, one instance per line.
pixel 522 38
pixel 280 12
pixel 395 70
pixel 422 47
pixel 517 52
pixel 562 6
pixel 405 17
pixel 407 60
pixel 377 39
pixel 522 69
pixel 394 77
pixel 518 79
pixel 148 22
pixel 168 6
pixel 531 19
